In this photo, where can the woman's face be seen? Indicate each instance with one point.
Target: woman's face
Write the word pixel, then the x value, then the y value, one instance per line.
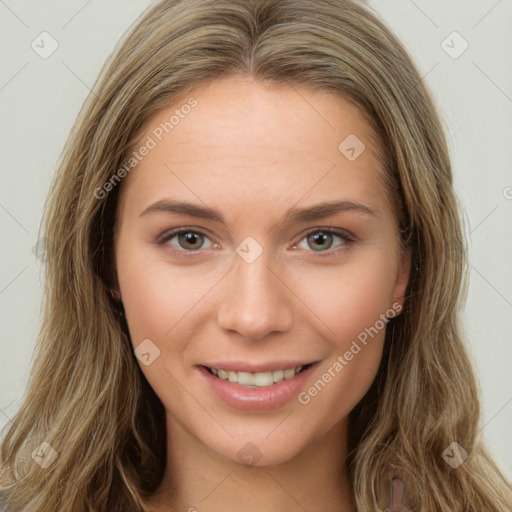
pixel 288 257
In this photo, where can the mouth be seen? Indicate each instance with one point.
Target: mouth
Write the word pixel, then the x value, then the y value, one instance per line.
pixel 258 379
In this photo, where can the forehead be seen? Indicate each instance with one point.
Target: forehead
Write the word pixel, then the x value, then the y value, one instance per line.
pixel 239 140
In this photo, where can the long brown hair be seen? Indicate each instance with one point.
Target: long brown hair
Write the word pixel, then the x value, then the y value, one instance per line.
pixel 87 398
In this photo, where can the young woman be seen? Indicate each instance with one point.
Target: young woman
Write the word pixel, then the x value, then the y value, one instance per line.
pixel 200 349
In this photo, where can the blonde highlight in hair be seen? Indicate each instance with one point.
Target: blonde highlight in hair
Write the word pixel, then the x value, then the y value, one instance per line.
pixel 88 398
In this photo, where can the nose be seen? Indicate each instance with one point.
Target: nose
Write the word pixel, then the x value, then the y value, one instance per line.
pixel 255 299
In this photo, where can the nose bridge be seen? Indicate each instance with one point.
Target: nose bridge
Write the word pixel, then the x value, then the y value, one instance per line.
pixel 255 301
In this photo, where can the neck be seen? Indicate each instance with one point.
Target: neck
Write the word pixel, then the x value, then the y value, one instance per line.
pixel 197 479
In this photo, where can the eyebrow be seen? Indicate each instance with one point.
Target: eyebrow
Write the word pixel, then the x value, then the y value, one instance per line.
pixel 294 215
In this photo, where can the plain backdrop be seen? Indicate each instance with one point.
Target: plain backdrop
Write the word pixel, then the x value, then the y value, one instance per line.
pixel 463 50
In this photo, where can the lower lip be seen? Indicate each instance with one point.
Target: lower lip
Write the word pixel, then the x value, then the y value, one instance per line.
pixel 256 399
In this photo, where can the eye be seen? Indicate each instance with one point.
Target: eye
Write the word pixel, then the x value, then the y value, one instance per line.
pixel 320 240
pixel 186 240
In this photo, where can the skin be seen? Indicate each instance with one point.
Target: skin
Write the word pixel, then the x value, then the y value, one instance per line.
pixel 253 152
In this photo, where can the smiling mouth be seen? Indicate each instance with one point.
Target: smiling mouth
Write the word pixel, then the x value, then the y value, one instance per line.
pixel 258 379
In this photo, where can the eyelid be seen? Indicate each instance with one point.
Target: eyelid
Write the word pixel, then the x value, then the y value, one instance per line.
pixel 164 237
pixel 347 237
pixel 337 231
pixel 169 233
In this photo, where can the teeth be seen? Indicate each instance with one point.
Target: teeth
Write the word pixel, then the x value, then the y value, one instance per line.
pixel 256 380
pixel 288 374
pixel 278 375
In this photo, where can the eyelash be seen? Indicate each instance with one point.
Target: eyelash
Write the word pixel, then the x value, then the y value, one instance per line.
pixel 168 235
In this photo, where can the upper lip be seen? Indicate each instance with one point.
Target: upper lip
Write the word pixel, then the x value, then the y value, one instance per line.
pixel 240 366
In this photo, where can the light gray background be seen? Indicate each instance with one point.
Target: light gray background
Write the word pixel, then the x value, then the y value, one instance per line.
pixel 39 99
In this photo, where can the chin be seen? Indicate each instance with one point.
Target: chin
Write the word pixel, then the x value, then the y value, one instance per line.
pixel 259 449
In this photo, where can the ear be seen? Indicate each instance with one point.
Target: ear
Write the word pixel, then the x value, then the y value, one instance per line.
pixel 399 499
pixel 115 294
pixel 113 281
pixel 402 277
pixel 110 273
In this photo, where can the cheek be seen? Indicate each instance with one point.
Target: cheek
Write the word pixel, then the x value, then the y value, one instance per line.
pixel 346 375
pixel 160 303
pixel 146 302
pixel 350 306
pixel 350 298
pixel 157 296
